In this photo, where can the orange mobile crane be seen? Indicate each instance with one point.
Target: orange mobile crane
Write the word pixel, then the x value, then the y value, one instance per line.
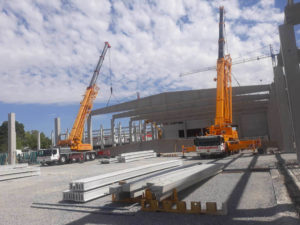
pixel 75 139
pixel 72 149
pixel 222 138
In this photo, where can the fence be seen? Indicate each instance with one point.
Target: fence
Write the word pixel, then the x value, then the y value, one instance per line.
pixel 3 158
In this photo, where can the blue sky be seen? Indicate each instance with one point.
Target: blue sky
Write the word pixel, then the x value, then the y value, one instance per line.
pixel 49 50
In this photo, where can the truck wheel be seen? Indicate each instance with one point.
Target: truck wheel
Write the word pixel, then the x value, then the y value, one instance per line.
pixel 260 151
pixel 62 159
pixel 87 157
pixel 93 156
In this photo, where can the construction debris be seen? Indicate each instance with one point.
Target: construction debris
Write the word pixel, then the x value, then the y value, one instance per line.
pixel 9 172
pixel 94 187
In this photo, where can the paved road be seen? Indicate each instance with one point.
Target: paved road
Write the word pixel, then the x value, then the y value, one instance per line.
pixel 249 194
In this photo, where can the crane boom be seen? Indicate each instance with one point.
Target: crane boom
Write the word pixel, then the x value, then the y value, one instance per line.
pixel 224 89
pixel 75 139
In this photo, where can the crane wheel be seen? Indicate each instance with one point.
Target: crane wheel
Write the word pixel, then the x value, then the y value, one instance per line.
pixel 87 157
pixel 93 156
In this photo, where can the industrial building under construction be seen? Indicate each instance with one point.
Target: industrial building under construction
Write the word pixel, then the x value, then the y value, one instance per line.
pixel 224 155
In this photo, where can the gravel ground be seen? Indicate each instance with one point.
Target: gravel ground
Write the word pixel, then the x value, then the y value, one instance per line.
pixel 249 195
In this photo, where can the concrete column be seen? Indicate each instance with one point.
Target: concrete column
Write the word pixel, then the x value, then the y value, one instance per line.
pixel 120 134
pixel 12 138
pixel 52 139
pixel 285 118
pixel 274 121
pixel 57 130
pixel 112 127
pixel 67 134
pixel 101 137
pixel 156 133
pixel 152 131
pixel 185 129
pixel 289 53
pixel 130 131
pixel 145 131
pixel 140 131
pixel 90 130
pixel 135 133
pixel 38 140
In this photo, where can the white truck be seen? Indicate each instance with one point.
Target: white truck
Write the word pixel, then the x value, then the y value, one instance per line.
pixel 210 145
pixel 63 155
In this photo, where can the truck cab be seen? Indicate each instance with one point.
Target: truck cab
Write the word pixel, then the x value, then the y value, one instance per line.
pixel 210 145
pixel 48 156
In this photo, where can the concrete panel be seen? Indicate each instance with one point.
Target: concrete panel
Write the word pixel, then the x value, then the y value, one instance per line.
pixel 285 119
pixel 274 123
pixel 289 53
pixel 254 125
pixel 292 15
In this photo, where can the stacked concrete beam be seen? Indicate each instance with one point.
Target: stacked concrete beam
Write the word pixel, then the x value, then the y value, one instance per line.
pixel 162 188
pixel 133 156
pixel 94 187
pixel 163 184
pixel 10 172
pixel 109 160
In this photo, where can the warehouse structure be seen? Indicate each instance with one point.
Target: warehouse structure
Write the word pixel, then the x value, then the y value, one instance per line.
pixel 266 111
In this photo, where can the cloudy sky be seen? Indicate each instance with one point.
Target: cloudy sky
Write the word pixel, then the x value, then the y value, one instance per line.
pixel 49 50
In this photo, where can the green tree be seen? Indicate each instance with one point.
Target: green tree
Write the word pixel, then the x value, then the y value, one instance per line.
pixel 20 133
pixel 24 139
pixel 31 140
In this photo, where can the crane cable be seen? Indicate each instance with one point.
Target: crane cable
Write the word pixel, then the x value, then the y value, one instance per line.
pixel 110 75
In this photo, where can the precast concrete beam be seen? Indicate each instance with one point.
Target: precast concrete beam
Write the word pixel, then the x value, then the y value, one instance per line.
pixel 179 96
pixel 190 104
pixel 163 188
pixel 109 178
pixel 198 115
pixel 210 109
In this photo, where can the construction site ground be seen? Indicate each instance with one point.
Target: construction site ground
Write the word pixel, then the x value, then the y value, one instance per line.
pixel 254 187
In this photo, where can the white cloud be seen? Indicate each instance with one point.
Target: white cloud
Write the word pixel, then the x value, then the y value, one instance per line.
pixel 49 49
